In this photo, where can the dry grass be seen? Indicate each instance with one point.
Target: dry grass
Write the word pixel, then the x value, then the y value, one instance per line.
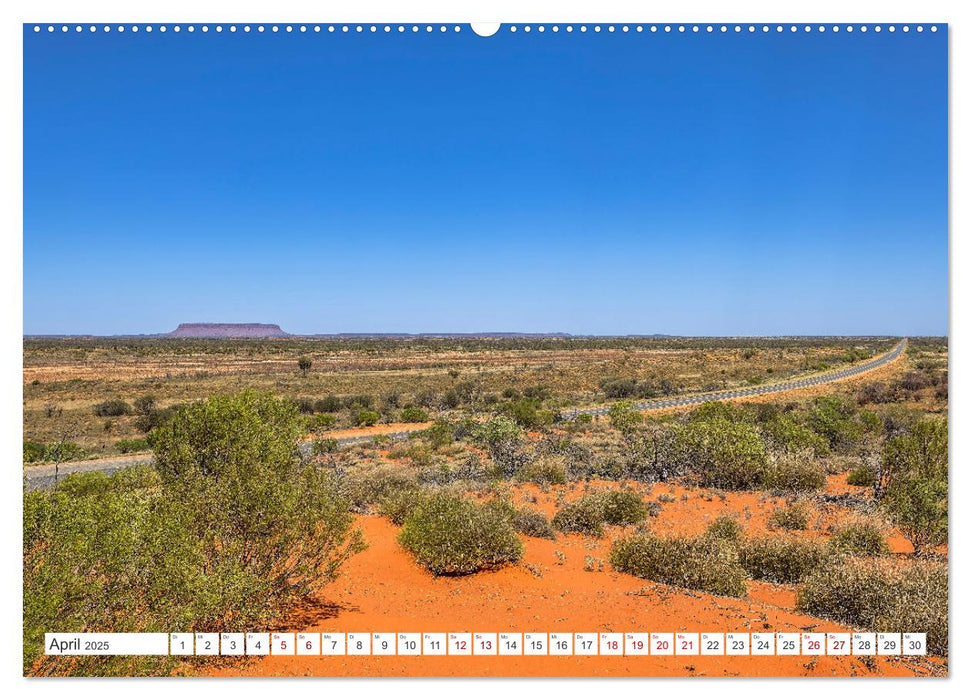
pixel 65 378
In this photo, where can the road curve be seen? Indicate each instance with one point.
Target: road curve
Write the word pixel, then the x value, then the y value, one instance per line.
pixel 41 477
pixel 729 394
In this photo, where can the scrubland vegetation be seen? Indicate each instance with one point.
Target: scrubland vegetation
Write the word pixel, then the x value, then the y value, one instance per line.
pixel 227 529
pixel 95 392
pixel 235 514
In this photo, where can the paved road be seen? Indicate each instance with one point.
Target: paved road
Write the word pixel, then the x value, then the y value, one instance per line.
pixel 43 476
pixel 760 390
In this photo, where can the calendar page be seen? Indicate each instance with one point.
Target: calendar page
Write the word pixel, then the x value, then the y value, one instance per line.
pixel 545 349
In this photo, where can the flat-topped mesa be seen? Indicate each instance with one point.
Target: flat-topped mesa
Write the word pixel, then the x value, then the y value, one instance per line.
pixel 228 330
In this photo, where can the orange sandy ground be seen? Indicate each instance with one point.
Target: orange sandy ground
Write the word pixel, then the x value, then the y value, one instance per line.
pixel 553 589
pixel 382 589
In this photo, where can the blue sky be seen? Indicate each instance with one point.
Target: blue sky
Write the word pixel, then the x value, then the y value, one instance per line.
pixel 702 184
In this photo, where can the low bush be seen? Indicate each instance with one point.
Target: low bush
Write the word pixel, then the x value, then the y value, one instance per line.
pixel 545 470
pixel 227 530
pixel 717 411
pixel 34 451
pixel 356 402
pixel 129 446
pixel 112 407
pixel 366 418
pixel 369 486
pixel 863 475
pixel 835 418
pixel 304 405
pixel 527 412
pixel 781 559
pixel 880 595
pixel 594 510
pixel 790 435
pixel 859 538
pixel 65 451
pixel 413 414
pixel 584 516
pixel 704 563
pixel 503 439
pixel 794 473
pixel 877 392
pixel 328 404
pixel 324 421
pixel 915 477
pixel 532 523
pixel 791 517
pixel 624 417
pixel 439 435
pixel 398 504
pixel 725 528
pixel 724 454
pixel 324 446
pixel 450 536
pixel 622 507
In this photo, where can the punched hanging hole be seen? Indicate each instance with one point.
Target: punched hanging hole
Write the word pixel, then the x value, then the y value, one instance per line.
pixel 485 28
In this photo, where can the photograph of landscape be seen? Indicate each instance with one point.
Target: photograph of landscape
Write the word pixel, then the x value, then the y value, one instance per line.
pixel 499 343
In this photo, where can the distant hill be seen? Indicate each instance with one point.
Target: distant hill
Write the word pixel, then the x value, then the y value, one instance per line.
pixel 228 330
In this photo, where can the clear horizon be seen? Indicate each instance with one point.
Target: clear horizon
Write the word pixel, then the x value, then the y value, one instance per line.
pixel 596 184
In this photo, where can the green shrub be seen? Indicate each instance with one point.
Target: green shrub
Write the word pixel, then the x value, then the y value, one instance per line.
pixel 624 417
pixel 366 487
pixel 524 521
pixel 787 434
pixel 304 404
pixel 64 451
pixel 34 451
pixel 112 407
pixel 859 538
pixel 716 411
pixel 365 418
pixel 413 414
pixel 795 474
pixel 324 446
pixel 328 404
pixel 398 504
pixel 915 489
pixel 791 517
pixel 527 412
pixel 323 420
pixel 439 435
pixel 146 404
pixel 503 439
pixel 870 421
pixel 623 507
pixel 584 516
pixel 704 563
pixel 546 470
pixel 833 417
pixel 724 454
pixel 725 528
pixel 227 530
pixel 880 595
pixel 153 417
pixel 532 523
pixel 863 475
pixel 594 510
pixel 781 559
pixel 129 446
pixel 449 535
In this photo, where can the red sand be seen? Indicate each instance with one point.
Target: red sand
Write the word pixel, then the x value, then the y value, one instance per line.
pixel 382 589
